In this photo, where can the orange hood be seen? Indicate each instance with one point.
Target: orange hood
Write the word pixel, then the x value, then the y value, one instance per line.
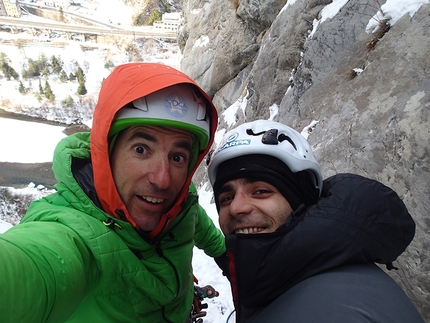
pixel 126 83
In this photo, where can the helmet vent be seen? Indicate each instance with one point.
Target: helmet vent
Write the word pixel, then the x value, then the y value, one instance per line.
pixel 270 137
pixel 283 137
pixel 250 132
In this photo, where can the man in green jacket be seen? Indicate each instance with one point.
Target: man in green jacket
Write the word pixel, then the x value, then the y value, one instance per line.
pixel 114 243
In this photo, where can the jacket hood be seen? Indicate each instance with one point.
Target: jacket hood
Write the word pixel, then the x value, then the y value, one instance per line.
pixel 125 84
pixel 357 220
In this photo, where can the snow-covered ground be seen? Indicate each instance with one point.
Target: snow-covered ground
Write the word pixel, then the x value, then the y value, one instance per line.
pixel 106 11
pixel 38 139
pixel 94 59
pixel 4 226
pixel 25 136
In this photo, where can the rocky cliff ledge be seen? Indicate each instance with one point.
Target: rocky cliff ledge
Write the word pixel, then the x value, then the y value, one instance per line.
pixel 367 88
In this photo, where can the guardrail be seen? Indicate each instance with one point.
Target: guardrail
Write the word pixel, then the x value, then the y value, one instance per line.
pixel 105 29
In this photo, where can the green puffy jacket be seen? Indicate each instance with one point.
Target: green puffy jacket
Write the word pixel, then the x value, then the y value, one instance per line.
pixel 70 261
pixel 71 267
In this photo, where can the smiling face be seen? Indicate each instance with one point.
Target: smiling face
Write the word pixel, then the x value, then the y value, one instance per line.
pixel 251 207
pixel 149 166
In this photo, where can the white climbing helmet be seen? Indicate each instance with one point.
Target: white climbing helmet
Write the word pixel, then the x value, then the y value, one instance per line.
pixel 178 106
pixel 266 138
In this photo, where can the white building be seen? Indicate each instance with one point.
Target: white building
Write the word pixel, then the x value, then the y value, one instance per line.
pixel 10 8
pixel 169 22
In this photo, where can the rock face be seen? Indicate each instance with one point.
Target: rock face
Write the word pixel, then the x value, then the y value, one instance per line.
pixel 369 92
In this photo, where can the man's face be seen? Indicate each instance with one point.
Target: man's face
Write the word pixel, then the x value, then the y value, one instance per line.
pixel 251 207
pixel 149 166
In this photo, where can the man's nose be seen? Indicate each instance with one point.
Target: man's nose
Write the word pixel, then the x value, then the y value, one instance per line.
pixel 240 205
pixel 159 174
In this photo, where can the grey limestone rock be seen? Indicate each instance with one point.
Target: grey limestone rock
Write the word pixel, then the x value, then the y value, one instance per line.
pixel 369 93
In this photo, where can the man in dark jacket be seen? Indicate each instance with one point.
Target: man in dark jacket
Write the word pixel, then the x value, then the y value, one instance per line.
pixel 300 249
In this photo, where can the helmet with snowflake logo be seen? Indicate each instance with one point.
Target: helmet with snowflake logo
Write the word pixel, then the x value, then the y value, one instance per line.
pixel 179 106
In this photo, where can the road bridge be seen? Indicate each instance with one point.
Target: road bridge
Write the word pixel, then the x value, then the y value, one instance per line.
pixel 104 30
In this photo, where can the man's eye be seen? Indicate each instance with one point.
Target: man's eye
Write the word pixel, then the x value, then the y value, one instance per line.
pixel 262 191
pixel 225 199
pixel 179 159
pixel 140 149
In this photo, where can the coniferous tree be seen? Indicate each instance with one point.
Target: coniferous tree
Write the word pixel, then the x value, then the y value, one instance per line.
pixel 56 65
pixel 42 63
pixel 63 77
pixel 41 88
pixel 48 92
pixel 109 65
pixel 21 88
pixel 24 74
pixel 32 70
pixel 5 67
pixel 82 89
pixel 8 71
pixel 155 16
pixel 68 102
pixel 80 75
pixel 46 72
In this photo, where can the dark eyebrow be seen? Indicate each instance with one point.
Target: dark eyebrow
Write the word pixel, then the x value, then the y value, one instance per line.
pixel 142 135
pixel 184 144
pixel 228 187
pixel 225 188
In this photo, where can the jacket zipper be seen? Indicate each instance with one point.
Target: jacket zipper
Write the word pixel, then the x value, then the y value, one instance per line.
pixel 161 254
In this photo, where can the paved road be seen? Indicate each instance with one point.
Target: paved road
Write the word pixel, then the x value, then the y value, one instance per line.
pixel 136 32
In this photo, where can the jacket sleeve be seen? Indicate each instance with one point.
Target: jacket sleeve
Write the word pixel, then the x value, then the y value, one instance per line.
pixel 44 270
pixel 207 236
